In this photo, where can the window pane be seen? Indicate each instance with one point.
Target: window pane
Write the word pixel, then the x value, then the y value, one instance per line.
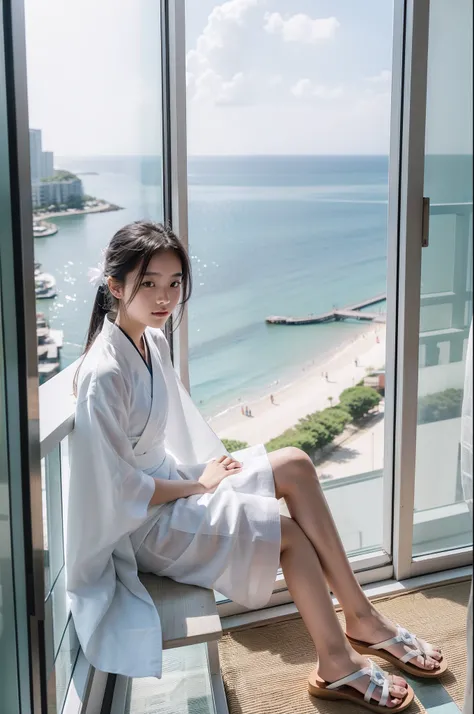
pixel 52 517
pixel 94 90
pixel 97 117
pixel 288 185
pixel 8 642
pixel 9 690
pixel 441 520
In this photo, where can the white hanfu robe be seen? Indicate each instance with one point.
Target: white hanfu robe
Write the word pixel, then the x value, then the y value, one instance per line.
pixel 132 427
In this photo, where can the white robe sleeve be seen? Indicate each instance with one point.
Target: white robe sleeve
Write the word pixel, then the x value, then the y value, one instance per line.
pixel 107 489
pixel 108 499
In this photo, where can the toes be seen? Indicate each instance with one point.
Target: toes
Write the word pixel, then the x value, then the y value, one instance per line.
pixel 400 682
pixel 428 663
pixel 398 692
pixel 394 703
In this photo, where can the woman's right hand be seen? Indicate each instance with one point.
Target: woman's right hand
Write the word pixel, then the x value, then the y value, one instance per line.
pixel 218 470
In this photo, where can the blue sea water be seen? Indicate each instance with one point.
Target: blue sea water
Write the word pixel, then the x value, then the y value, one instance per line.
pixel 268 236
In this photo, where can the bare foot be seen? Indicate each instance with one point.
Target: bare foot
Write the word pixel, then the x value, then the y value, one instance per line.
pixel 339 667
pixel 374 628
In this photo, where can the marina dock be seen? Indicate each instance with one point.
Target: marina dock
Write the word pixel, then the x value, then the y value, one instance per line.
pixel 351 312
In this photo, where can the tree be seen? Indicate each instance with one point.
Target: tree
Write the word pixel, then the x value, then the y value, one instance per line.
pixel 75 202
pixel 359 400
pixel 298 438
pixel 440 406
pixel 233 445
pixel 333 420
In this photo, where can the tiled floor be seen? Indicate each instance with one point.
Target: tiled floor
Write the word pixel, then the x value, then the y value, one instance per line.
pixel 434 697
pixel 184 689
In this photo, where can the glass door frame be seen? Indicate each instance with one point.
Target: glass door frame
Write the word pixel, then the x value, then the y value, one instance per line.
pixel 406 229
pixel 21 375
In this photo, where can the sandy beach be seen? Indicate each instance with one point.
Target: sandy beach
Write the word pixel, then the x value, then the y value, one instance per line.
pixel 308 393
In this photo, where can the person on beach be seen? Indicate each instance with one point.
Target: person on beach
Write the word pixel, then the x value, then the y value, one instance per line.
pixel 272 399
pixel 160 494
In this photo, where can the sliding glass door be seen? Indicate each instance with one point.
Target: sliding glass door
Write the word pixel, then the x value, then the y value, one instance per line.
pixel 431 209
pixel 441 519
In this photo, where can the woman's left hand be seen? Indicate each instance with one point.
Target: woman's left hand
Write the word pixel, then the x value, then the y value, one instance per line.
pixel 229 462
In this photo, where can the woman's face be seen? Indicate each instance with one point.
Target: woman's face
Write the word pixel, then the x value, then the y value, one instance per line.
pixel 159 292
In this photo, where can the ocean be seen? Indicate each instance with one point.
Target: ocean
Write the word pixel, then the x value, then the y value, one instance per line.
pixel 268 236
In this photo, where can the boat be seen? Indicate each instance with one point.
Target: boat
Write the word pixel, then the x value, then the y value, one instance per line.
pixel 45 284
pixel 50 343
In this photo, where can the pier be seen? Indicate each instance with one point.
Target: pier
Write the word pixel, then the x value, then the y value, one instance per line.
pixel 351 312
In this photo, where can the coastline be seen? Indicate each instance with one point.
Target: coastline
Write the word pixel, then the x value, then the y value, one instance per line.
pixel 49 229
pixel 103 207
pixel 308 393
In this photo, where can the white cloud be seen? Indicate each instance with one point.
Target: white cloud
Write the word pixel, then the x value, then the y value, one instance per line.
pixel 306 89
pixel 275 80
pixel 301 28
pixel 259 82
pixel 384 77
pixel 208 76
pixel 211 86
pixel 221 21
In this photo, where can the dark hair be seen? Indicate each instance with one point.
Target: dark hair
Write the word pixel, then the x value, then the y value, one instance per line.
pixel 133 245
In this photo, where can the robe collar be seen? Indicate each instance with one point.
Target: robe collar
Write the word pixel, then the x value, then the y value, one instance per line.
pixel 115 336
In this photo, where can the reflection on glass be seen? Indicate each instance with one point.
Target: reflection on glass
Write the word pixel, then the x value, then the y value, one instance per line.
pixel 8 644
pixel 95 144
pixel 441 520
pixel 288 219
pixel 94 91
pixel 53 517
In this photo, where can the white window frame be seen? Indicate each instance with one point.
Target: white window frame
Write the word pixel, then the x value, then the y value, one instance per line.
pixel 406 178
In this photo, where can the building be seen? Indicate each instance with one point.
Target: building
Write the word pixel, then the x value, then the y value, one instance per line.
pixel 41 162
pixel 47 193
pixel 36 155
pixel 48 164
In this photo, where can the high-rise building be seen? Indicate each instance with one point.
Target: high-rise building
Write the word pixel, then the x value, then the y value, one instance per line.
pixel 41 162
pixel 63 191
pixel 48 164
pixel 36 155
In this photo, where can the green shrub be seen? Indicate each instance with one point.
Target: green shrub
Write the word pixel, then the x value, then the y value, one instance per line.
pixel 359 400
pixel 440 406
pixel 234 445
pixel 314 431
pixel 333 419
pixel 299 438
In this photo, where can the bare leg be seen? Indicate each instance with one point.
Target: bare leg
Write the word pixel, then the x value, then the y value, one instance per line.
pixel 307 584
pixel 296 481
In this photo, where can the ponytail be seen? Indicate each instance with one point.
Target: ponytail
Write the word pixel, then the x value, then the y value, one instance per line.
pixel 99 312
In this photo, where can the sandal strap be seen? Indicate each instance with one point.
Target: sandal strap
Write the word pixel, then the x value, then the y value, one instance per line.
pixel 411 655
pixel 385 693
pixel 365 672
pixel 378 678
pixel 406 638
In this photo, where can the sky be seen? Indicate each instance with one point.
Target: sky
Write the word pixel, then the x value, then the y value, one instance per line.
pixel 261 79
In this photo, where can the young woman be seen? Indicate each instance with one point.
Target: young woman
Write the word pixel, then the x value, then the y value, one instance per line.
pixel 152 489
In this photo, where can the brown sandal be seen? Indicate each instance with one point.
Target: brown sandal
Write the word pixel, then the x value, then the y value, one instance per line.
pixel 338 691
pixel 406 638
